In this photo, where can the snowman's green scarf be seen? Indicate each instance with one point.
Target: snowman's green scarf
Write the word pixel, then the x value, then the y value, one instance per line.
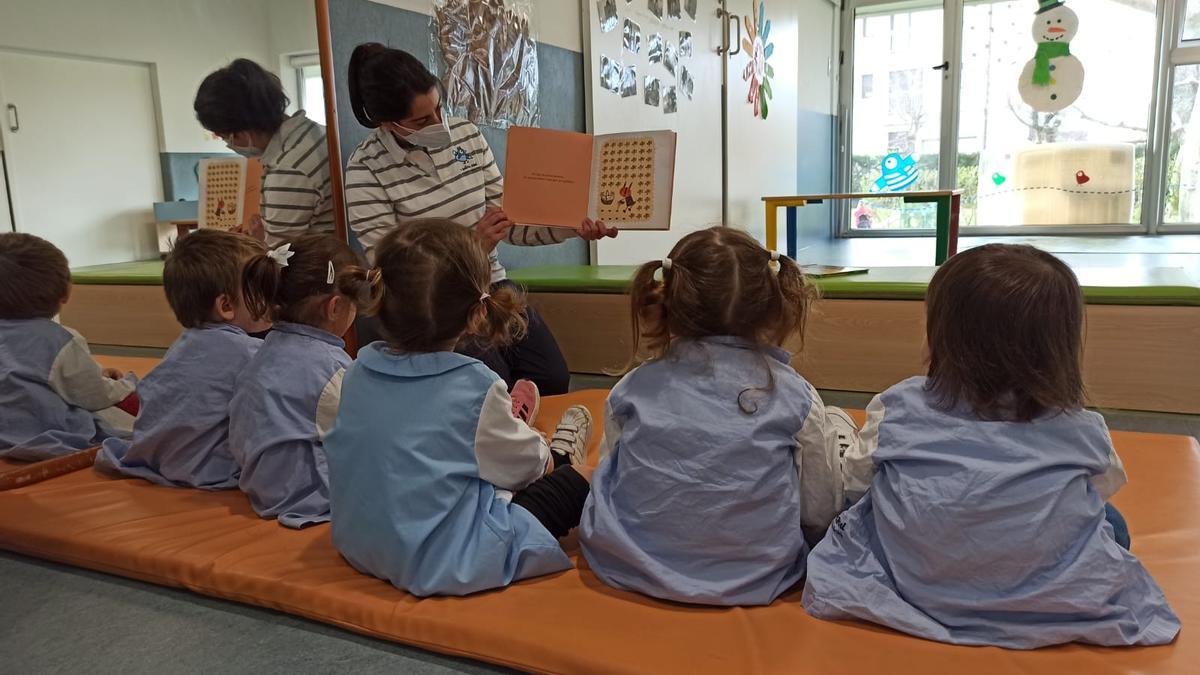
pixel 1045 52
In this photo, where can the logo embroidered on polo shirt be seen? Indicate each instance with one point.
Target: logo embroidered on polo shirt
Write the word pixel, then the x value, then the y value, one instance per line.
pixel 464 158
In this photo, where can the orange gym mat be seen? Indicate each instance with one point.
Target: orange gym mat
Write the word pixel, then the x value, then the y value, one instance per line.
pixel 570 623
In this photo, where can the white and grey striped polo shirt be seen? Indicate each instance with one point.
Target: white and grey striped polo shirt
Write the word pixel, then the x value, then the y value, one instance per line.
pixel 295 183
pixel 387 184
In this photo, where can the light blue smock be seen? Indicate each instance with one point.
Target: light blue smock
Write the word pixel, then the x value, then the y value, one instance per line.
pixel 41 365
pixel 986 533
pixel 409 500
pixel 282 407
pixel 181 435
pixel 697 501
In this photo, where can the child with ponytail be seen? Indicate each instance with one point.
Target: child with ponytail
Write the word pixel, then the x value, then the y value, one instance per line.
pixel 435 485
pixel 287 397
pixel 719 458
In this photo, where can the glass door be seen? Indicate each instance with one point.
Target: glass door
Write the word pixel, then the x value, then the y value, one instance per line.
pixel 892 95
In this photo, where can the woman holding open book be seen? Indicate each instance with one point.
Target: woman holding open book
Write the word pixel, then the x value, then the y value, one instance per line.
pixel 420 163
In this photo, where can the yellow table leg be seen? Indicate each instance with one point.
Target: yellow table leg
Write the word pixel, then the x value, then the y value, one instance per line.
pixel 772 225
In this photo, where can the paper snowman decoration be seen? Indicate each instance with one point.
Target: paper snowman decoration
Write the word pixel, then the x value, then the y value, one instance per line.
pixel 1053 78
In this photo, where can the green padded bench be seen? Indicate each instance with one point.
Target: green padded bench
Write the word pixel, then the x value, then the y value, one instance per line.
pixel 1143 329
pixel 1152 286
pixel 140 273
pixel 1101 286
pixel 868 332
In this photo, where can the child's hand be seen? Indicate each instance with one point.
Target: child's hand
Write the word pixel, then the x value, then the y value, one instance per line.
pixel 592 230
pixel 112 373
pixel 493 227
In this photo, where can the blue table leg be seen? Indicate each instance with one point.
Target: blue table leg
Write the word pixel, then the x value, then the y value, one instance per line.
pixel 791 232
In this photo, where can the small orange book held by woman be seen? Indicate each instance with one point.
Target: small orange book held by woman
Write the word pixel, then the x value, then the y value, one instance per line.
pixel 554 177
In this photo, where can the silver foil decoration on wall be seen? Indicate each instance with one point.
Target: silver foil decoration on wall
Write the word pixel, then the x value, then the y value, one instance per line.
pixel 685 44
pixel 607 11
pixel 651 91
pixel 670 103
pixel 631 37
pixel 670 58
pixel 689 6
pixel 685 82
pixel 654 48
pixel 629 82
pixel 610 74
pixel 486 57
pixel 655 7
pixel 673 10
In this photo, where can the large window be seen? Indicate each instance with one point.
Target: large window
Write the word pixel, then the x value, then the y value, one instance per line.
pixel 1023 161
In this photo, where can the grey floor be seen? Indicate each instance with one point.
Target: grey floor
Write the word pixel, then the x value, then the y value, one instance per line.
pixel 56 619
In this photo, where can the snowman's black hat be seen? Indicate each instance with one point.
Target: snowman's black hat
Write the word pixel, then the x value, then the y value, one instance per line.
pixel 1047 5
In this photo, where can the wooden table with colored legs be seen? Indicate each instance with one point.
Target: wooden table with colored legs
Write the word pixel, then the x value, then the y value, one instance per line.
pixel 947 202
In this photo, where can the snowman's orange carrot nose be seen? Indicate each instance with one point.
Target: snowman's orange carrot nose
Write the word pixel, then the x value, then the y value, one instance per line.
pixel 1056 29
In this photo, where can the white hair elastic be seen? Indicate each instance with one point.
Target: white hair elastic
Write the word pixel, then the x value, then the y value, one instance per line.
pixel 775 256
pixel 666 263
pixel 484 297
pixel 281 254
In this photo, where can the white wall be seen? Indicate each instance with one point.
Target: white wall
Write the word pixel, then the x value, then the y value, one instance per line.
pixel 555 22
pixel 183 40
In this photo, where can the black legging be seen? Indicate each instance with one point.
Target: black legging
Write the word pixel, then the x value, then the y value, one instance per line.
pixel 556 499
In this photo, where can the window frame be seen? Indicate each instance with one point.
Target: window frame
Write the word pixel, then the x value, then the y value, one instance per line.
pixel 1170 51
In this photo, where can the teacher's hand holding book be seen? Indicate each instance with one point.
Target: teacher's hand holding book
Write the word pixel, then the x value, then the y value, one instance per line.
pixel 493 227
pixel 592 230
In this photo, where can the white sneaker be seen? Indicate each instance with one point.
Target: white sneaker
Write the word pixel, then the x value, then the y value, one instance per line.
pixel 847 430
pixel 571 437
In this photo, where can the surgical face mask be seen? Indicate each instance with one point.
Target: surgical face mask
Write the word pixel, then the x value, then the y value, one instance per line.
pixel 432 136
pixel 243 150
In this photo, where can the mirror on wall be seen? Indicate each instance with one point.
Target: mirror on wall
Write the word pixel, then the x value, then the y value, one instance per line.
pixel 100 140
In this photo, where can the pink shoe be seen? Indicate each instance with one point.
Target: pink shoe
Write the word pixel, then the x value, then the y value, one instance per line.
pixel 526 400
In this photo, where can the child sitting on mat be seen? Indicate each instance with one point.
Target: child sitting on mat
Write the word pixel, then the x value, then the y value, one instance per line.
pixel 985 520
pixel 435 485
pixel 719 457
pixel 181 435
pixel 54 398
pixel 287 397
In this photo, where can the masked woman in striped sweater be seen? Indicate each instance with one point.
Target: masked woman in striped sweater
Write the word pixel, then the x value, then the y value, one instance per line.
pixel 420 163
pixel 245 105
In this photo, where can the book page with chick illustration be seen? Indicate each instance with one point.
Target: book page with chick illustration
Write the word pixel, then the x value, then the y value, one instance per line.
pixel 633 179
pixel 222 192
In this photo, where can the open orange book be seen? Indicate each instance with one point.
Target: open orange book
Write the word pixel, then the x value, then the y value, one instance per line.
pixel 230 192
pixel 556 178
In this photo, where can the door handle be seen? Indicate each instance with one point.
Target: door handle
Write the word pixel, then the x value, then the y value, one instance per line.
pixel 14 118
pixel 737 21
pixel 945 66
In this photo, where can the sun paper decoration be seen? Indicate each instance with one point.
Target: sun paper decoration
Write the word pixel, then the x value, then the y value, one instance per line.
pixel 758 72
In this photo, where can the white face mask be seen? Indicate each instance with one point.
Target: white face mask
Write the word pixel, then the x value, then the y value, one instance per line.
pixel 432 136
pixel 243 150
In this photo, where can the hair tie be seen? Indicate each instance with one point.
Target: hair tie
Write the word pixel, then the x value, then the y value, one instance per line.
pixel 330 275
pixel 666 263
pixel 484 296
pixel 281 254
pixel 774 256
pixel 774 259
pixel 374 276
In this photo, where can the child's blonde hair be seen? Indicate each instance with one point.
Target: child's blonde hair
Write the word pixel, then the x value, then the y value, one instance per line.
pixel 432 284
pixel 718 281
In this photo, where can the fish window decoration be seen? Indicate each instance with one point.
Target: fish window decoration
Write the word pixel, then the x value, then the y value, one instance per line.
pixel 486 57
